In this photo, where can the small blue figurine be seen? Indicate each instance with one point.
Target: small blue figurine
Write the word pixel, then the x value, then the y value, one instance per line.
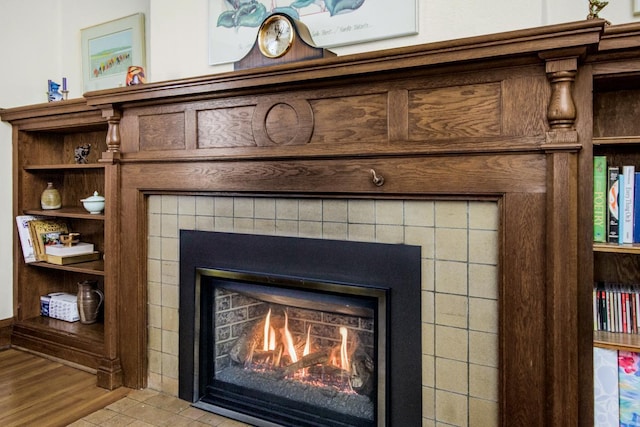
pixel 53 93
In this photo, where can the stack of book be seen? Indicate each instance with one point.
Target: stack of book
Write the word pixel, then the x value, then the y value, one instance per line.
pixel 616 215
pixel 616 308
pixel 616 384
pixel 40 240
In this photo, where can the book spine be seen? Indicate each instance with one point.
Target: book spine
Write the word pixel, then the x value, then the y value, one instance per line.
pixel 636 209
pixel 628 195
pixel 613 173
pixel 620 207
pixel 599 199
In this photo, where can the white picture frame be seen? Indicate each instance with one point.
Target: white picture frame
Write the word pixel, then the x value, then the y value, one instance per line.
pixel 232 33
pixel 109 49
pixel 636 7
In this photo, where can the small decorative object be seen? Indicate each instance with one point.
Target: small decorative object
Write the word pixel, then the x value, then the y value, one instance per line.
pixel 595 6
pixel 52 92
pixel 65 92
pixel 94 204
pixel 69 239
pixel 50 198
pixel 81 152
pixel 135 75
pixel 90 298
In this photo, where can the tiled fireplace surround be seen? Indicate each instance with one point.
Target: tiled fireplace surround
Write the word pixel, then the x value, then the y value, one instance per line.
pixel 459 241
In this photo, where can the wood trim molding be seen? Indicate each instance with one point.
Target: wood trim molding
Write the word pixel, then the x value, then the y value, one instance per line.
pixel 6 327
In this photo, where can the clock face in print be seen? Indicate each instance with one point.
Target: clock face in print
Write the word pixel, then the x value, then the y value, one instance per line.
pixel 275 36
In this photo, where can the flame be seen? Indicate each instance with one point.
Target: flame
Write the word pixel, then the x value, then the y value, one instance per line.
pixel 344 357
pixel 267 325
pixel 289 340
pixel 307 344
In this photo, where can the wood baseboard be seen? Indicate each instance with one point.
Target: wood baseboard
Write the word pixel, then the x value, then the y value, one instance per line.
pixel 6 326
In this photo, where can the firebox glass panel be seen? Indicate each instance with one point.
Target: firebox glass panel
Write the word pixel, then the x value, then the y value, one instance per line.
pixel 306 350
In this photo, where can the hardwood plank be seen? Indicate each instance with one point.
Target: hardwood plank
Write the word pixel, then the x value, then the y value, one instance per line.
pixel 39 391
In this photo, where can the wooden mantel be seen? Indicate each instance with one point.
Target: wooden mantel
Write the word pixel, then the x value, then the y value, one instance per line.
pixel 505 117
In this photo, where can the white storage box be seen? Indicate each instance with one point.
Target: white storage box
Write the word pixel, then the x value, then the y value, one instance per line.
pixel 60 305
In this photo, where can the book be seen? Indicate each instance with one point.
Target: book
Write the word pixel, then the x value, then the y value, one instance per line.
pixel 46 232
pixel 605 387
pixel 613 173
pixel 620 207
pixel 629 388
pixel 636 210
pixel 599 198
pixel 63 250
pixel 60 305
pixel 72 259
pixel 627 194
pixel 22 222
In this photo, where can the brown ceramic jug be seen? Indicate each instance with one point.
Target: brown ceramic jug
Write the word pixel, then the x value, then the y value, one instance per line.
pixel 90 299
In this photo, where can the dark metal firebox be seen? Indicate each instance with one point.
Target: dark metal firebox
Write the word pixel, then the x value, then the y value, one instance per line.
pixel 357 300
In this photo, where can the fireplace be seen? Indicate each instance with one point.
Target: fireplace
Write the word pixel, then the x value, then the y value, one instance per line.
pixel 300 332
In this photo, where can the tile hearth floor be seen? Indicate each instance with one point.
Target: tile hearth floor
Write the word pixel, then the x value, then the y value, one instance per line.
pixel 147 407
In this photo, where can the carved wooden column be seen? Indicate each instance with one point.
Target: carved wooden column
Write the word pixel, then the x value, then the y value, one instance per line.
pixel 110 373
pixel 562 148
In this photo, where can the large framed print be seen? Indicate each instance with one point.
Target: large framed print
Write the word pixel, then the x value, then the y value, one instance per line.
pixel 233 25
pixel 109 49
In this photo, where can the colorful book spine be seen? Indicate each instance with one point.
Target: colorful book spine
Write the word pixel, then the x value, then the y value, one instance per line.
pixel 636 210
pixel 629 174
pixel 613 173
pixel 600 199
pixel 605 387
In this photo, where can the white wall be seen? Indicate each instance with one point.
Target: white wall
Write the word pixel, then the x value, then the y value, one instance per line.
pixel 40 40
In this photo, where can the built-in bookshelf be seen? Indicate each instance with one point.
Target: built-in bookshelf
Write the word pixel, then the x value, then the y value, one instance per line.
pixel 616 136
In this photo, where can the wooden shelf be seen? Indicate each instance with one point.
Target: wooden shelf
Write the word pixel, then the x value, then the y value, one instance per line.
pixel 627 248
pixel 66 212
pixel 63 166
pixel 93 332
pixel 616 140
pixel 95 268
pixel 616 341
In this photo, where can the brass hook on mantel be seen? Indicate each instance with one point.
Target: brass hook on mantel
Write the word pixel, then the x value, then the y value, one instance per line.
pixel 378 180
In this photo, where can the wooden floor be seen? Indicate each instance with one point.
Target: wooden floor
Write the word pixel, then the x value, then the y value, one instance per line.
pixel 35 391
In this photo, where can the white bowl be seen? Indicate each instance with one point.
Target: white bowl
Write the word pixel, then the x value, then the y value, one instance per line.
pixel 94 204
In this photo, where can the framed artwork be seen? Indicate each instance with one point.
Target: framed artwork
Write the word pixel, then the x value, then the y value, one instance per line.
pixel 636 7
pixel 233 24
pixel 109 49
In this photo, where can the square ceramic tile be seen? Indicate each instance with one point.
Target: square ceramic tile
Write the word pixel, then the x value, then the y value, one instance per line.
pixel 204 206
pixel 483 348
pixel 186 205
pixel 483 247
pixel 483 382
pixel 483 315
pixel 451 343
pixel 451 408
pixel 389 212
pixel 484 215
pixel 451 375
pixel 169 204
pixel 451 277
pixel 335 211
pixel 483 281
pixel 362 212
pixel 287 209
pixel 451 214
pixel 223 206
pixel 451 244
pixel 265 208
pixel 451 310
pixel 419 213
